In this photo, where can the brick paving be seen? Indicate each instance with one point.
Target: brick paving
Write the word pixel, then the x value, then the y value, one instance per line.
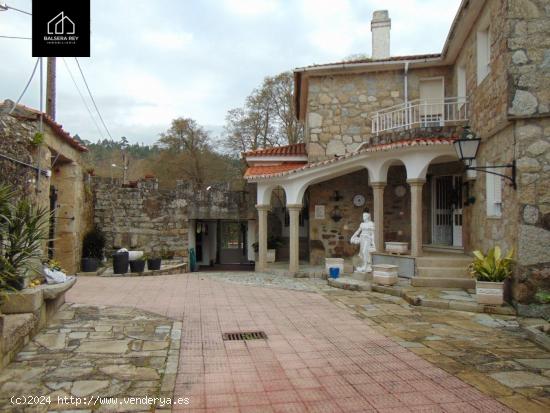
pixel 317 358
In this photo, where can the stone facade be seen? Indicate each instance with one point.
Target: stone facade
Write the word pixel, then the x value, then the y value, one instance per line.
pixel 64 161
pixel 339 107
pixel 143 217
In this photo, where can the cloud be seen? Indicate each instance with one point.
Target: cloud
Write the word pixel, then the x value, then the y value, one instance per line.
pixel 167 40
pixel 251 8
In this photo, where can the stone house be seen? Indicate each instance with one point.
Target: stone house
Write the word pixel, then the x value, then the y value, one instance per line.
pixel 49 171
pixel 379 135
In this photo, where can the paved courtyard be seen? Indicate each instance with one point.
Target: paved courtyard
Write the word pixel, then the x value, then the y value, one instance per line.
pixel 361 352
pixel 328 350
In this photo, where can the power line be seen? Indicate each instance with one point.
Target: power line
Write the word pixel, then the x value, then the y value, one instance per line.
pixel 4 7
pixel 82 97
pixel 26 86
pixel 15 37
pixel 92 98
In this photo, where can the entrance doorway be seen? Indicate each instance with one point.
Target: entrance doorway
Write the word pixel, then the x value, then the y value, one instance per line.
pixel 233 242
pixel 447 210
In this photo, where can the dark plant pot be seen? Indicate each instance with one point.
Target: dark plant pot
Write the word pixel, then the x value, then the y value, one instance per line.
pixel 137 266
pixel 153 264
pixel 89 264
pixel 17 284
pixel 120 263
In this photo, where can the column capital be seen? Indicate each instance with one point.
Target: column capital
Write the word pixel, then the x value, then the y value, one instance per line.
pixel 416 182
pixel 294 206
pixel 263 207
pixel 378 184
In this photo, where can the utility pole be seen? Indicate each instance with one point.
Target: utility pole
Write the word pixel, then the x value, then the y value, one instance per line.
pixel 50 88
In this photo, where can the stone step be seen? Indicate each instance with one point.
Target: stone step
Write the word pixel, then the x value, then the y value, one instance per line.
pixel 442 272
pixel 348 283
pixel 442 248
pixel 443 282
pixel 445 261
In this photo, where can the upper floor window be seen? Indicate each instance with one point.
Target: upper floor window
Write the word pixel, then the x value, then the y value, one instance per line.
pixel 483 54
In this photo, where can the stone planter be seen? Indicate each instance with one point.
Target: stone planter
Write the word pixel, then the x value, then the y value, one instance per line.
pixel 384 274
pixel 270 255
pixel 490 292
pixel 89 264
pixel 397 247
pixel 137 266
pixel 153 264
pixel 135 255
pixel 334 263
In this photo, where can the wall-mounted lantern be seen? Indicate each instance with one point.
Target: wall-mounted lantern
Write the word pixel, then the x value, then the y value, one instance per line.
pixel 466 149
pixel 336 214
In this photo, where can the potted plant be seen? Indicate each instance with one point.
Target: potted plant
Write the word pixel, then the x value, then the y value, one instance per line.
pixel 23 231
pixel 273 243
pixel 138 265
pixel 490 272
pixel 153 262
pixel 120 262
pixel 93 246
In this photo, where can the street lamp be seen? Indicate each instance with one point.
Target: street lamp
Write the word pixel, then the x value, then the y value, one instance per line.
pixel 466 149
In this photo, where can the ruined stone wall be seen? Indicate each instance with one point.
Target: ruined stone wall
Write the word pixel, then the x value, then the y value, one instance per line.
pixel 339 106
pixel 141 218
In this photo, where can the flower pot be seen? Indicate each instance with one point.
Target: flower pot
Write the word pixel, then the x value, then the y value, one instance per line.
pixel 490 292
pixel 334 272
pixel 89 264
pixel 270 255
pixel 397 247
pixel 334 263
pixel 384 274
pixel 137 266
pixel 153 264
pixel 120 263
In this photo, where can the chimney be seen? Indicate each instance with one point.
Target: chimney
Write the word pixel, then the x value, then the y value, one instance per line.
pixel 380 26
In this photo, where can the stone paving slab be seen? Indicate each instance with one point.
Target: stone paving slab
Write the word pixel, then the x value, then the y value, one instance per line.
pixel 94 353
pixel 319 356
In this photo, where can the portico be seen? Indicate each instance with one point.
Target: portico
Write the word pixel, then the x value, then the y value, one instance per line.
pixel 414 155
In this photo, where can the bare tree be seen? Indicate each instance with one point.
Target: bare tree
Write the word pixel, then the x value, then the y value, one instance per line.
pixel 267 118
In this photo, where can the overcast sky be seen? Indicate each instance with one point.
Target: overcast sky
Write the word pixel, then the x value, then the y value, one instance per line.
pixel 154 60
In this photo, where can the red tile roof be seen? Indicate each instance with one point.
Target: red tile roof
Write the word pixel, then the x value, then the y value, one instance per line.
pixel 374 148
pixel 297 149
pixel 25 111
pixel 266 170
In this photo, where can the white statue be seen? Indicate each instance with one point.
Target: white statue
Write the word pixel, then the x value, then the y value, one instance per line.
pixel 364 236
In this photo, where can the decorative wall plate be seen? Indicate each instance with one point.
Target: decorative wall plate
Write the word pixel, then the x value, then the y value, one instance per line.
pixel 359 200
pixel 400 191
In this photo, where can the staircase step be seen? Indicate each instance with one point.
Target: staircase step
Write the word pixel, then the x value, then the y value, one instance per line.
pixel 445 261
pixel 442 272
pixel 441 282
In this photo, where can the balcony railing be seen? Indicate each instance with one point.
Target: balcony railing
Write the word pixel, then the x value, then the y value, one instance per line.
pixel 421 113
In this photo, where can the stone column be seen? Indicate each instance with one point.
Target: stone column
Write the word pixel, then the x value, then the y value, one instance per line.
pixel 416 215
pixel 378 214
pixel 261 265
pixel 294 235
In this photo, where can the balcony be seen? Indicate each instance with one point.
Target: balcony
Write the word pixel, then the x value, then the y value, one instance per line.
pixel 426 113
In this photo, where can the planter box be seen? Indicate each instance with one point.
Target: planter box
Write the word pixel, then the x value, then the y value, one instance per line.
pixel 153 264
pixel 384 274
pixel 135 255
pixel 490 292
pixel 137 266
pixel 397 247
pixel 270 255
pixel 334 263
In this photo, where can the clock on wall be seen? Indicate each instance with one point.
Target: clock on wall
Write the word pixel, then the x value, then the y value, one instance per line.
pixel 359 200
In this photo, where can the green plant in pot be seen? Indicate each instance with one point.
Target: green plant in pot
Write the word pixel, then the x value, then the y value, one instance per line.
pixel 93 247
pixel 23 234
pixel 138 265
pixel 490 272
pixel 154 262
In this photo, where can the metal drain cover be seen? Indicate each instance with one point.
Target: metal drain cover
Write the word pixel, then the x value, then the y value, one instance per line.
pixel 245 335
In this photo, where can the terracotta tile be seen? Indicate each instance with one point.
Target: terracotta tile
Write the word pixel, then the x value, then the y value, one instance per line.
pixel 214 401
pixel 253 399
pixel 289 408
pixel 283 396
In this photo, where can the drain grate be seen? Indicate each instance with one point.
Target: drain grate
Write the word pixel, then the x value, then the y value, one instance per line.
pixel 248 335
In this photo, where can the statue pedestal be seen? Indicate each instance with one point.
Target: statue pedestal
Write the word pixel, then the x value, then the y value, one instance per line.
pixel 362 276
pixel 384 274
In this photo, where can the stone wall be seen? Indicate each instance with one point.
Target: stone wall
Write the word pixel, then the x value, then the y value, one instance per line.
pixel 339 106
pixel 143 217
pixel 16 134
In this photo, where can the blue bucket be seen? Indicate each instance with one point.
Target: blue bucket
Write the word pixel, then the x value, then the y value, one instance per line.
pixel 334 272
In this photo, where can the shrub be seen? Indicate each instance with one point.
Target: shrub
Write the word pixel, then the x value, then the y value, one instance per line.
pixel 23 232
pixel 493 267
pixel 93 244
